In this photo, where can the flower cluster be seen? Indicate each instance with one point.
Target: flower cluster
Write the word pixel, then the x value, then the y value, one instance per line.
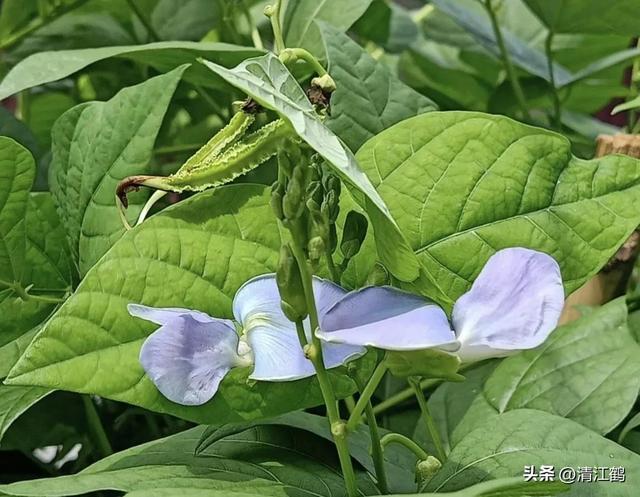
pixel 513 305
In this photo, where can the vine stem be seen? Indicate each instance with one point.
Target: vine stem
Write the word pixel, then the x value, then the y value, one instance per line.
pixel 377 453
pixel 365 396
pixel 634 122
pixel 24 294
pixel 314 352
pixel 506 59
pixel 420 453
pixel 333 270
pixel 403 395
pixel 96 429
pixel 557 108
pixel 426 414
pixel 273 12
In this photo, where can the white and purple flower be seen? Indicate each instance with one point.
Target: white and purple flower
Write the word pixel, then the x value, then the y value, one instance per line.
pixel 191 352
pixel 513 305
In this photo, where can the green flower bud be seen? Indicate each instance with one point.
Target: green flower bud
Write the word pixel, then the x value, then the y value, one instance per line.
pixel 277 193
pixel 293 201
pixel 353 234
pixel 427 468
pixel 316 248
pixel 289 282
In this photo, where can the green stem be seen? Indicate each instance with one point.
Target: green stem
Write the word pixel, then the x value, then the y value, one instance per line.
pixel 255 34
pixel 557 108
pixel 407 442
pixel 273 12
pixel 506 59
pixel 366 395
pixel 39 23
pixel 430 424
pixel 377 453
pixel 338 428
pixel 350 403
pixel 289 55
pixel 302 336
pixel 24 294
pixel 96 430
pixel 143 19
pixel 333 270
pixel 403 396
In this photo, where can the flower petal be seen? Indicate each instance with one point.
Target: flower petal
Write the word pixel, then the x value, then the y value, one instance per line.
pixel 273 338
pixel 187 358
pixel 514 304
pixel 164 315
pixel 387 318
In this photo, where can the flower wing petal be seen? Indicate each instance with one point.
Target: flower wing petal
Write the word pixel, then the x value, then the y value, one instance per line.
pixel 273 338
pixel 187 359
pixel 387 318
pixel 514 304
pixel 164 315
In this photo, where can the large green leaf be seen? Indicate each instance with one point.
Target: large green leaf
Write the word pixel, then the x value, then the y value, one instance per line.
pixel 588 371
pixel 206 247
pixel 388 25
pixel 45 67
pixel 299 28
pixel 525 437
pixel 11 352
pixel 94 147
pixel 17 171
pixel 399 462
pixel 269 82
pixel 462 185
pixel 369 97
pixel 588 16
pixel 272 461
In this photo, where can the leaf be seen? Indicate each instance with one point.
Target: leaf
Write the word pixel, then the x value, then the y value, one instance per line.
pixel 50 265
pixel 17 171
pixel 44 109
pixel 269 82
pixel 369 98
pixel 388 25
pixel 588 16
pixel 587 370
pixel 472 17
pixel 503 446
pixel 462 185
pixel 449 405
pixel 16 400
pixel 299 28
pixel 270 461
pixel 186 20
pixel 95 146
pixel 45 67
pixel 399 463
pixel 207 247
pixel 11 352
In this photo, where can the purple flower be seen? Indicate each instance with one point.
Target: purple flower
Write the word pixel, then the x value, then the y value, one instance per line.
pixel 191 352
pixel 513 305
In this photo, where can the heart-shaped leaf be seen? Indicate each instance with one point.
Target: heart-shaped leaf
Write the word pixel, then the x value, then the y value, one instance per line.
pixel 462 185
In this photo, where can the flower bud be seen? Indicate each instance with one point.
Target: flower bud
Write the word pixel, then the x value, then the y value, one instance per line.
pixel 277 193
pixel 427 468
pixel 353 234
pixel 290 286
pixel 293 200
pixel 316 248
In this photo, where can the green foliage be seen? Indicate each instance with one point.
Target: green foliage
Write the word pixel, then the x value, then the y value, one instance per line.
pixel 94 147
pixel 588 371
pixel 463 185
